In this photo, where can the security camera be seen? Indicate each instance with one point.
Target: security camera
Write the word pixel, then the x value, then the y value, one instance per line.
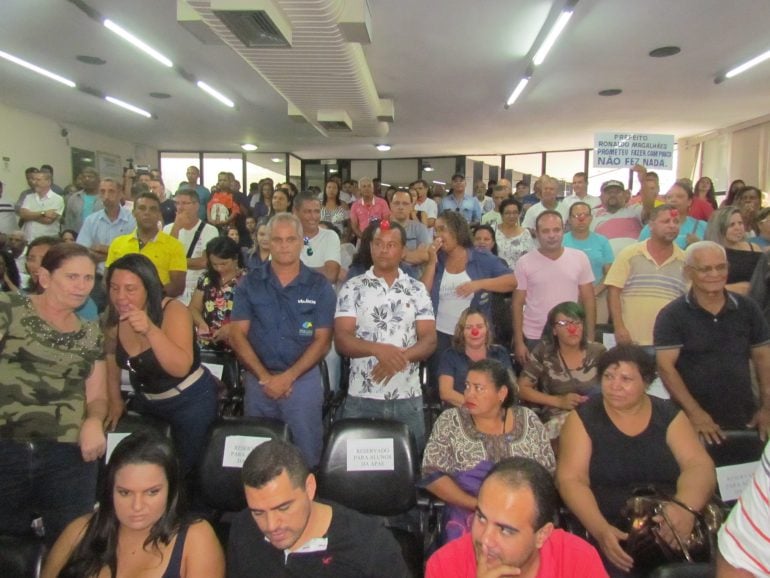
pixel 64 133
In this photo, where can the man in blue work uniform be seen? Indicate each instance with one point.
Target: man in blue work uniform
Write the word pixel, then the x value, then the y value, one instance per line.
pixel 282 320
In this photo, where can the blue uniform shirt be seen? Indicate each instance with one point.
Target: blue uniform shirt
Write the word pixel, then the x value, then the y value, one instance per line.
pixel 283 319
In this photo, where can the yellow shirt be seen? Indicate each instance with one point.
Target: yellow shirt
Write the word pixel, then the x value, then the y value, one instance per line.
pixel 165 252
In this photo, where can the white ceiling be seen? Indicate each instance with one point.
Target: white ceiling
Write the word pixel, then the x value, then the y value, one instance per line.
pixel 449 66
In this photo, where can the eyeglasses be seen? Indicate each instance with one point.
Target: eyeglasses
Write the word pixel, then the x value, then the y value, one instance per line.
pixel 568 322
pixel 719 268
pixel 308 248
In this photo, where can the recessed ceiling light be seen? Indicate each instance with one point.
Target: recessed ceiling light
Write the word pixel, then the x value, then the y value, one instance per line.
pixel 277 159
pixel 248 147
pixel 85 59
pixel 664 51
pixel 610 92
pixel 160 95
pixel 428 169
pixel 383 148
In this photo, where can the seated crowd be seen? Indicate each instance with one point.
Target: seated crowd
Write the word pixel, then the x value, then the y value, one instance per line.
pixel 481 310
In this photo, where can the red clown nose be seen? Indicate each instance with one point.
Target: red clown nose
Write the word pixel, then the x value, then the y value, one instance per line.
pixel 572 329
pixel 475 332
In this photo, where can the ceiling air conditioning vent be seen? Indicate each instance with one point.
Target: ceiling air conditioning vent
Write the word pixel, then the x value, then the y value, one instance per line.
pixel 254 28
pixel 336 120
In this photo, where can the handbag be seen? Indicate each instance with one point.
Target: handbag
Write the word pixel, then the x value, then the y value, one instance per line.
pixel 644 543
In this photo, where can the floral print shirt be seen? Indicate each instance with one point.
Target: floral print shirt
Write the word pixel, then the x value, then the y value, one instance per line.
pixel 217 306
pixel 384 315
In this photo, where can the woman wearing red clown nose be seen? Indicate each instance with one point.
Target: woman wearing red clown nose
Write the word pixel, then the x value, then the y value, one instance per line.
pixel 561 373
pixel 472 341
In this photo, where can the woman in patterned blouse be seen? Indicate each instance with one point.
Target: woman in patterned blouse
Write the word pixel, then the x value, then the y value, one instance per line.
pixel 212 302
pixel 466 442
pixel 561 373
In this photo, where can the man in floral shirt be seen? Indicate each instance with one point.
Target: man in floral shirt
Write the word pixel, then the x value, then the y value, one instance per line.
pixel 385 324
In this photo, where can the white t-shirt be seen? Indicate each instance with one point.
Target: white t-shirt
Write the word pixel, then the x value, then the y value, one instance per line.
pixel 208 233
pixel 36 204
pixel 428 206
pixel 450 304
pixel 325 247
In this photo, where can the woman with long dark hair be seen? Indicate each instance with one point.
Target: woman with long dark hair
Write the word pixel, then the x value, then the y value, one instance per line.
pixel 153 338
pixel 140 526
pixel 212 302
pixel 332 208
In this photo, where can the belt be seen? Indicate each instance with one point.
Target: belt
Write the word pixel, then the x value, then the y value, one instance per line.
pixel 177 389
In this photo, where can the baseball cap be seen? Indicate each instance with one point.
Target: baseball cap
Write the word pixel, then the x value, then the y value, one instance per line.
pixel 458 176
pixel 613 184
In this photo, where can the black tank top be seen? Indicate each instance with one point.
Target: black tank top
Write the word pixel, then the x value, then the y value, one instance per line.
pixel 620 463
pixel 174 568
pixel 145 371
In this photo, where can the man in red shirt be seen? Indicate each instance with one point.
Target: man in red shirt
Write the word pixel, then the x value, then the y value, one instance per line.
pixel 367 208
pixel 513 532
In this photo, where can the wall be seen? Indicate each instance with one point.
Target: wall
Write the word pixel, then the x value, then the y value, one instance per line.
pixel 740 151
pixel 28 139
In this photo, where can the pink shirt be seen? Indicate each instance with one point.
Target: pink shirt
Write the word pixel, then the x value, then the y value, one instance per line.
pixel 549 282
pixel 562 556
pixel 362 214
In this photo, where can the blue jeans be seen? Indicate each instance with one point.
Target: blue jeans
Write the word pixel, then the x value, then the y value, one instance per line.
pixel 190 415
pixel 44 479
pixel 408 411
pixel 301 411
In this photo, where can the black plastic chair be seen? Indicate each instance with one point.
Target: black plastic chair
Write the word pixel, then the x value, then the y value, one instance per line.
pixel 231 392
pixel 699 570
pixel 21 556
pixel 383 492
pixel 221 486
pixel 740 447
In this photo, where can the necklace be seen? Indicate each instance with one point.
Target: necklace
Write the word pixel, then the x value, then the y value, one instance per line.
pixel 504 417
pixel 574 383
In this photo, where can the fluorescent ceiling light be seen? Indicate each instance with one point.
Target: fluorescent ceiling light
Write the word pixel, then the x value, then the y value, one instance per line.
pixel 143 46
pixel 439 182
pixel 216 94
pixel 428 169
pixel 383 148
pixel 277 159
pixel 517 92
pixel 550 40
pixel 248 147
pixel 746 65
pixel 127 106
pixel 34 68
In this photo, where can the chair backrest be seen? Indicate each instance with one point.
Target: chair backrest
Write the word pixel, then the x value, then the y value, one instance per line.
pixel 684 570
pixel 224 365
pixel 21 557
pixel 370 465
pixel 230 441
pixel 740 447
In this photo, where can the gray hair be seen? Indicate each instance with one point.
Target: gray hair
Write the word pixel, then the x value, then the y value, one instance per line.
pixel 700 246
pixel 364 180
pixel 284 218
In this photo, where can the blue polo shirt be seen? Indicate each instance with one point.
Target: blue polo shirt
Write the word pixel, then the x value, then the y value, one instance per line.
pixel 469 207
pixel 283 319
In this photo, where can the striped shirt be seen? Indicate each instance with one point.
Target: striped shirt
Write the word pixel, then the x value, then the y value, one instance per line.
pixel 646 287
pixel 744 540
